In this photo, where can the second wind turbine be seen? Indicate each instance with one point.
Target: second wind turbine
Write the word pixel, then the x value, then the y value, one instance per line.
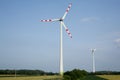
pixel 61 35
pixel 93 55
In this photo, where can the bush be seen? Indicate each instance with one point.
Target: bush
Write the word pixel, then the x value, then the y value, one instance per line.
pixel 66 77
pixel 74 74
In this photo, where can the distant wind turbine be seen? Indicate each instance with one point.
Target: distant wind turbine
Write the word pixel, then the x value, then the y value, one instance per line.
pixel 93 54
pixel 61 37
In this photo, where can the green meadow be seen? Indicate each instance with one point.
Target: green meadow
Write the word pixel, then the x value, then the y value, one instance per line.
pixel 110 77
pixel 30 78
pixel 89 77
pixel 102 77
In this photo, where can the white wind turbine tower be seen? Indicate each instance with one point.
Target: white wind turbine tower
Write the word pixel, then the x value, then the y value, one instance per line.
pixel 61 37
pixel 93 54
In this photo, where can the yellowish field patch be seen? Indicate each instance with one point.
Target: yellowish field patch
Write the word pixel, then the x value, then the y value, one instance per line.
pixel 110 77
pixel 30 78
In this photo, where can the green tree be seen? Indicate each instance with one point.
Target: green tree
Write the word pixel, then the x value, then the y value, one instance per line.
pixel 74 74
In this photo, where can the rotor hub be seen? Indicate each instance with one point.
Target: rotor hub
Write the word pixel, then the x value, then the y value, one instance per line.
pixel 61 19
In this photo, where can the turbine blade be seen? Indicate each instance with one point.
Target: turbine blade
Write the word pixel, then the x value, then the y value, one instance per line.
pixel 67 11
pixel 67 30
pixel 49 20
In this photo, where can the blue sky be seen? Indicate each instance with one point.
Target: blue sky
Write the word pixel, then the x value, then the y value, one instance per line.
pixel 27 43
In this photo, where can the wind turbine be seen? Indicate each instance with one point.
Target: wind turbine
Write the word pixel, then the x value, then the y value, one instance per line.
pixel 93 54
pixel 61 35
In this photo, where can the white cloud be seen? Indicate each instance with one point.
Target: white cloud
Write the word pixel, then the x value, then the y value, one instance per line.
pixel 117 41
pixel 89 19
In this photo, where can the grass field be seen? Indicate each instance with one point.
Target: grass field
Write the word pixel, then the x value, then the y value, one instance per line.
pixel 93 77
pixel 110 77
pixel 102 77
pixel 90 77
pixel 31 78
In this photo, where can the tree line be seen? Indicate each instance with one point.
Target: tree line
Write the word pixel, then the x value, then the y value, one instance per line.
pixel 68 75
pixel 25 72
pixel 74 74
pixel 105 73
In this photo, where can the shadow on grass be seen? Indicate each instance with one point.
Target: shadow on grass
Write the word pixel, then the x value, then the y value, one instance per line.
pixel 54 79
pixel 93 77
pixel 89 77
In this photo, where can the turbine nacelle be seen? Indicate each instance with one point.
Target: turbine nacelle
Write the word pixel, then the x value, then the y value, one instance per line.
pixel 60 19
pixel 93 50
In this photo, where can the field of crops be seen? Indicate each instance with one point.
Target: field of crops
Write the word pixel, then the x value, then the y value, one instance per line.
pixel 31 78
pixel 102 77
pixel 90 77
pixel 110 77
